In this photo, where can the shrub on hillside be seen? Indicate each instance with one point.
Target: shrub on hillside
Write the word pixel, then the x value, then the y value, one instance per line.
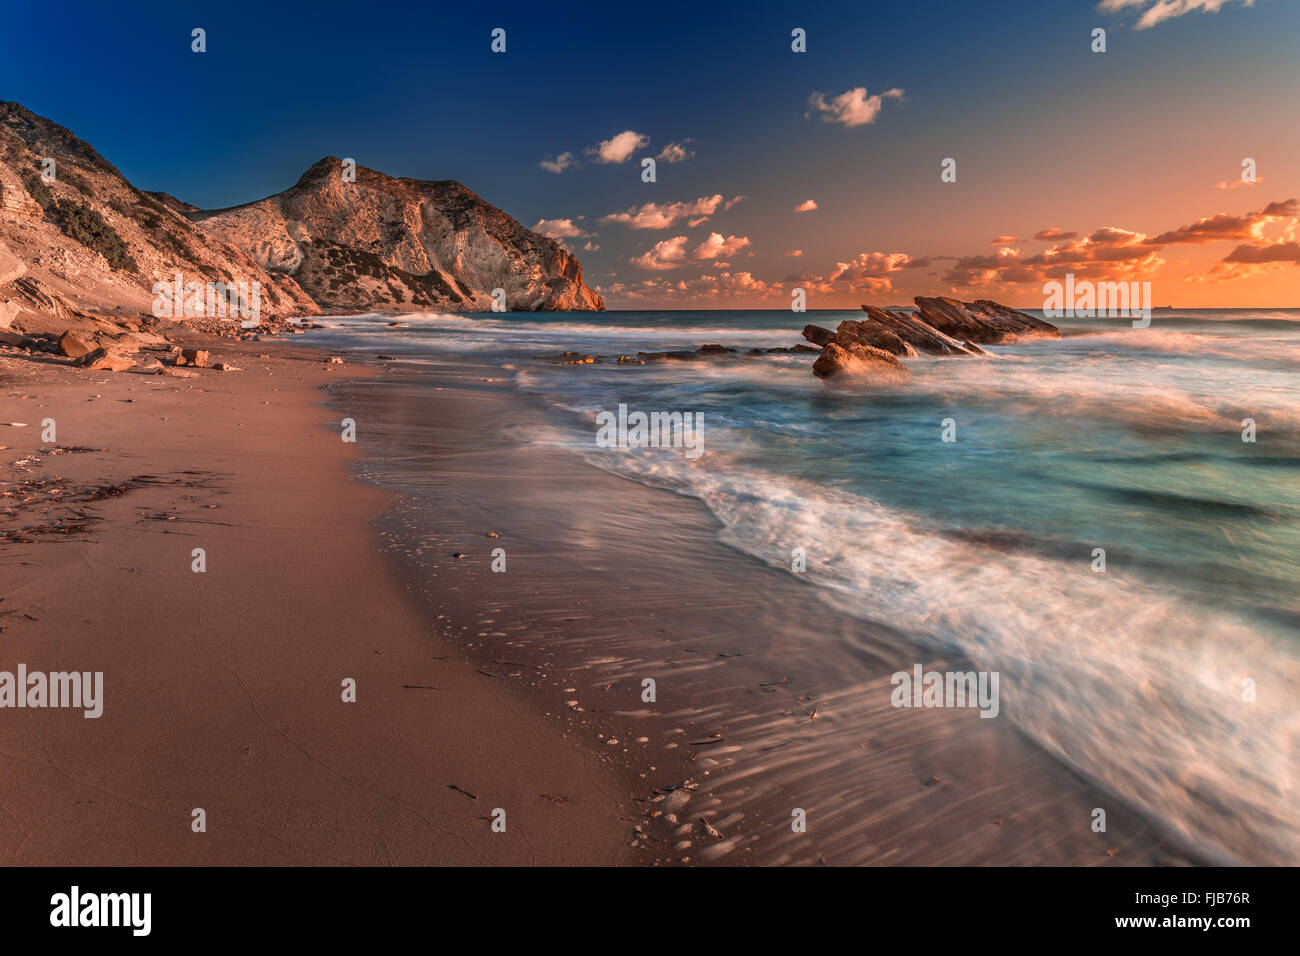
pixel 91 230
pixel 37 189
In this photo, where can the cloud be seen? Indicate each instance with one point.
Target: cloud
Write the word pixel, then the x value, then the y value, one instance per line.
pixel 589 246
pixel 1107 253
pixel 676 152
pixel 1003 240
pixel 716 247
pixel 852 107
pixel 656 216
pixel 733 286
pixel 558 228
pixel 668 254
pixel 808 205
pixel 866 273
pixel 1222 226
pixel 619 149
pixel 1158 11
pixel 794 253
pixel 1055 233
pixel 1237 183
pixel 559 164
pixel 1285 251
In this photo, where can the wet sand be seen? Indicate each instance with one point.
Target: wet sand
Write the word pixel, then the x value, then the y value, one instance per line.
pixel 767 700
pixel 223 688
pixel 476 690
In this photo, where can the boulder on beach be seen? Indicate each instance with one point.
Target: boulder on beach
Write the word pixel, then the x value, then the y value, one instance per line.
pixel 103 360
pixel 198 358
pixel 858 365
pixel 74 344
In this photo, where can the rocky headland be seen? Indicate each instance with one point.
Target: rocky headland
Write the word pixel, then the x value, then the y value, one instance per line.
pixel 81 246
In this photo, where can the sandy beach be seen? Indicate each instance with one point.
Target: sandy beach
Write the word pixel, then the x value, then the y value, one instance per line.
pixel 521 690
pixel 609 582
pixel 222 689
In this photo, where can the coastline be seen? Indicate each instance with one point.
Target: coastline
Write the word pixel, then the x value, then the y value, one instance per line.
pixel 222 689
pixel 476 690
pixel 609 582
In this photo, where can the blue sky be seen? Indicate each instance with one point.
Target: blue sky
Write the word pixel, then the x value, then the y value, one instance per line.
pixel 1046 133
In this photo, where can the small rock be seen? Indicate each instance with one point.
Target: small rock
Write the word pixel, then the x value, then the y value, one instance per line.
pixel 227 367
pixel 198 358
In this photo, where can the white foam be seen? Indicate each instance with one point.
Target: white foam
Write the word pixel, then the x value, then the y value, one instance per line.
pixel 1113 675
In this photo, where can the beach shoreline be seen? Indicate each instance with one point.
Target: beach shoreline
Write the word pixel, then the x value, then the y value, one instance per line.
pixel 608 582
pixel 223 688
pixel 477 690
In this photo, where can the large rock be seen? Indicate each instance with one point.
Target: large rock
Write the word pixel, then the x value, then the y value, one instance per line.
pixel 74 343
pixel 857 365
pixel 865 350
pixel 197 358
pixel 941 326
pixel 11 267
pixel 819 335
pixel 982 321
pixel 874 334
pixel 103 359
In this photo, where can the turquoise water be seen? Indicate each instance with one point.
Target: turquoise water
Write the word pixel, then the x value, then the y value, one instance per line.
pixel 1127 440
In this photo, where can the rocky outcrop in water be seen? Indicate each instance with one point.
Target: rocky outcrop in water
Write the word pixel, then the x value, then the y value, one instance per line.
pixel 982 321
pixel 940 326
pixel 857 364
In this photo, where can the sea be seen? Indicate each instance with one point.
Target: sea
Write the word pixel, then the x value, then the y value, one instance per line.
pixel 1109 520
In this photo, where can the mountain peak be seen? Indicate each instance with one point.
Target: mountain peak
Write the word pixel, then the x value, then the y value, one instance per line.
pixel 379 243
pixel 383 243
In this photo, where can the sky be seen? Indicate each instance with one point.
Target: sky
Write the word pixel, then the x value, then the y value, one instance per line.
pixel 774 169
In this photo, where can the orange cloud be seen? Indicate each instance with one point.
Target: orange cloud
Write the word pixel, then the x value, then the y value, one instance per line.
pixel 716 247
pixel 656 216
pixel 1222 226
pixel 668 254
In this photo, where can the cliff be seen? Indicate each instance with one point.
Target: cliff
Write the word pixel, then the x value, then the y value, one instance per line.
pixel 90 242
pixel 387 244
